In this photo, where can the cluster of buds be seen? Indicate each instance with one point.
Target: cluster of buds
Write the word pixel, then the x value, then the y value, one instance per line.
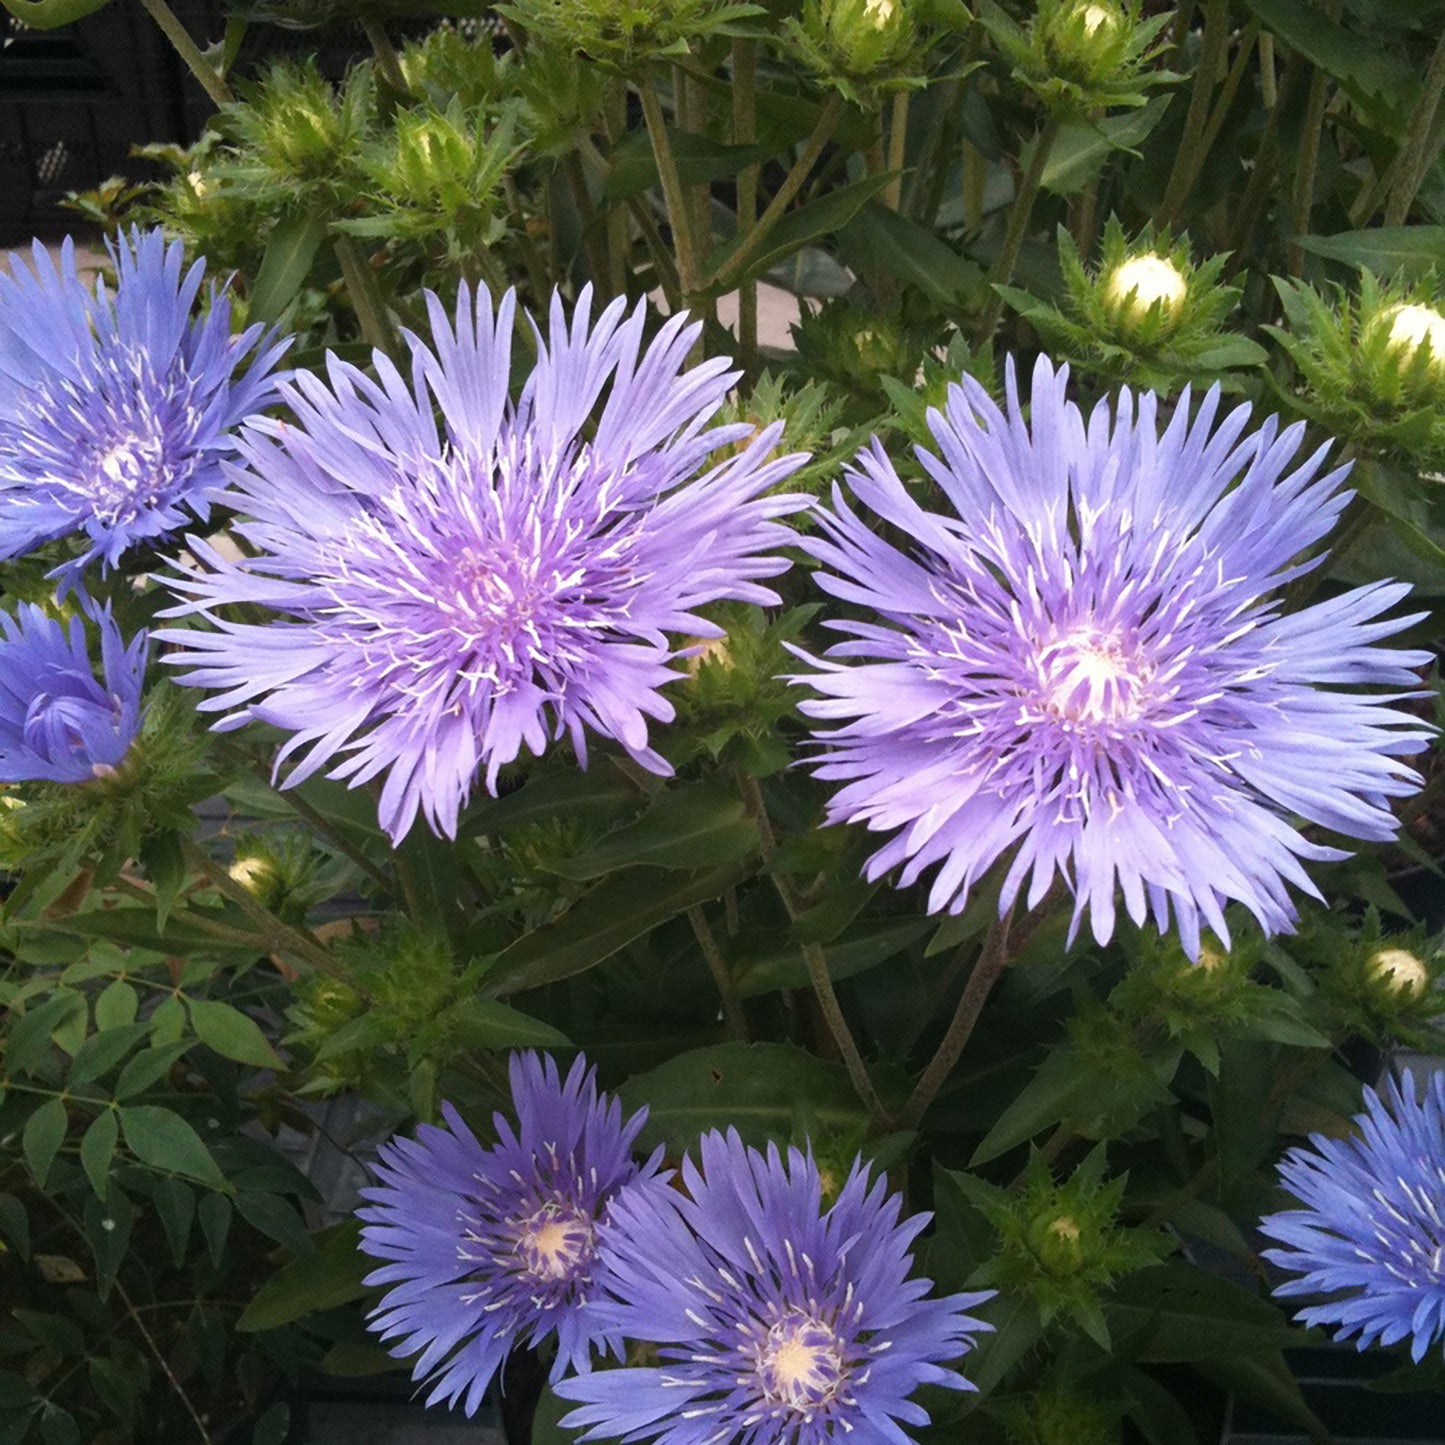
pixel 858 47
pixel 1082 57
pixel 1146 315
pixel 1371 366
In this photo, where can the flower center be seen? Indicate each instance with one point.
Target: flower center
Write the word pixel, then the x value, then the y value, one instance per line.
pixel 127 472
pixel 555 1242
pixel 800 1363
pixel 1087 676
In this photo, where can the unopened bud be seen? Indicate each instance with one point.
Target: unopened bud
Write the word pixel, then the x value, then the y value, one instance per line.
pixel 880 12
pixel 709 652
pixel 253 874
pixel 1399 971
pixel 1139 284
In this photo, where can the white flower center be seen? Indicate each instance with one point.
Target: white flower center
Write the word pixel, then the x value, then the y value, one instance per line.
pixel 1144 281
pixel 1086 676
pixel 555 1242
pixel 800 1363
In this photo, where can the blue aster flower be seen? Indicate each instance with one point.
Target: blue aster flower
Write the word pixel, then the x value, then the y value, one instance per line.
pixel 495 1247
pixel 58 722
pixel 777 1322
pixel 1087 666
pixel 448 596
pixel 1369 1243
pixel 116 408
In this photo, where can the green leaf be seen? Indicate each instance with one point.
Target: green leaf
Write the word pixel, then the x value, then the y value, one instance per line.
pixel 547 1422
pixel 761 1090
pixel 215 1214
pixel 147 1067
pixel 50 14
pixel 911 253
pixel 29 1040
pixel 1177 1311
pixel 605 919
pixel 102 1052
pixel 44 1131
pixel 163 1140
pixel 1384 83
pixel 274 1426
pixel 487 1023
pixel 811 222
pixel 231 1033
pixel 863 947
pixel 107 1228
pixel 693 826
pixel 1265 1378
pixel 273 1216
pixel 165 865
pixel 290 252
pixel 1385 250
pixel 1080 152
pixel 97 1149
pixel 57 1426
pixel 175 1202
pixel 118 1004
pixel 328 1277
pixel 15 1224
pixel 571 794
pixel 632 170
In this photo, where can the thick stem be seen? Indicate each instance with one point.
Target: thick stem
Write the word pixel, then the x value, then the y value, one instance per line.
pixel 1190 157
pixel 364 295
pixel 994 957
pixel 814 958
pixel 1018 223
pixel 722 975
pixel 387 60
pixel 735 264
pixel 1420 147
pixel 211 80
pixel 673 195
pixel 897 149
pixel 745 80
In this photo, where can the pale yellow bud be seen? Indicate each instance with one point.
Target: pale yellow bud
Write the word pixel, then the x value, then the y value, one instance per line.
pixel 880 12
pixel 1210 959
pixel 1413 327
pixel 1064 1229
pixel 199 184
pixel 1142 282
pixel 1099 17
pixel 712 651
pixel 252 874
pixel 1399 971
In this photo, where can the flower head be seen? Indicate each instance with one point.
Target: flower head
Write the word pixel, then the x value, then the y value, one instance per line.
pixel 778 1322
pixel 449 597
pixel 116 410
pixel 1088 666
pixel 1140 283
pixel 1369 1242
pixel 496 1247
pixel 58 722
pixel 1411 329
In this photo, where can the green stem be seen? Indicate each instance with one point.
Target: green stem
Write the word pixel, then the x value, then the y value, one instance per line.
pixel 1018 223
pixel 1421 146
pixel 897 149
pixel 747 247
pixel 597 258
pixel 814 958
pixel 365 297
pixel 204 1435
pixel 1190 157
pixel 722 975
pixel 745 80
pixel 994 957
pixel 673 195
pixel 387 60
pixel 1303 199
pixel 211 80
pixel 1227 93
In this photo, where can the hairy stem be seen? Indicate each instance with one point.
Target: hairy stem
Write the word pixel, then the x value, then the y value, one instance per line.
pixel 814 958
pixel 747 247
pixel 1018 223
pixel 211 80
pixel 1191 154
pixel 673 195
pixel 727 988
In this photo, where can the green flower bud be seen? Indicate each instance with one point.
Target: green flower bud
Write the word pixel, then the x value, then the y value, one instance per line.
pixel 1085 41
pixel 1412 329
